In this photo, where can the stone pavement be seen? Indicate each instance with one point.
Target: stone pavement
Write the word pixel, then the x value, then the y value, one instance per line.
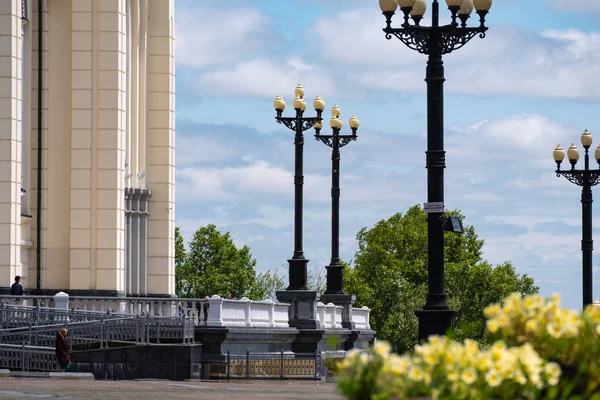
pixel 20 388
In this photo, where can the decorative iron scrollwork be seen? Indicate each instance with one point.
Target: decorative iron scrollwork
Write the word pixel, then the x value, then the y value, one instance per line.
pixel 450 37
pixel 578 177
pixel 414 39
pixel 292 123
pixel 330 140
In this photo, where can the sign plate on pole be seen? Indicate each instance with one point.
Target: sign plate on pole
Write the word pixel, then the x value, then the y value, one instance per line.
pixel 437 207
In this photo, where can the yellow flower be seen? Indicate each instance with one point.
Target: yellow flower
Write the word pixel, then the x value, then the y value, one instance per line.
pixel 554 330
pixel 531 326
pixel 415 374
pixel 469 376
pixel 493 378
pixel 483 363
pixel 497 351
pixel 553 372
pixel 502 320
pixel 492 325
pixel 452 376
pixel 382 348
pixel 492 311
pixel 399 365
pixel 363 358
pixel 520 378
pixel 431 359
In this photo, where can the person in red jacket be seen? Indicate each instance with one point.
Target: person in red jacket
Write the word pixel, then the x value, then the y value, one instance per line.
pixel 62 350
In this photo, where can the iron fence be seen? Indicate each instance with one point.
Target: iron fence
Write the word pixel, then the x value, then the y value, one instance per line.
pixel 272 366
pixel 27 358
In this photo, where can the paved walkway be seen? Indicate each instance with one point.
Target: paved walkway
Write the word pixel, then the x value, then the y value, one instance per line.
pixel 11 388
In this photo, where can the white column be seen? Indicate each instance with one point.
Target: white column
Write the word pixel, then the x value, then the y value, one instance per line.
pixel 10 140
pixel 160 146
pixel 109 198
pixel 81 145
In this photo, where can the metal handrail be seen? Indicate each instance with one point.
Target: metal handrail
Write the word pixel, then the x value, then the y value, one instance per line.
pixel 26 358
pixel 13 316
pixel 88 334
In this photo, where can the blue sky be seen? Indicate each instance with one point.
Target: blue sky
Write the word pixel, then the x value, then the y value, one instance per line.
pixel 510 98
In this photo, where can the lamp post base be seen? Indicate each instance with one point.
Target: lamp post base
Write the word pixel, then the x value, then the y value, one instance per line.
pixel 297 273
pixel 434 322
pixel 303 307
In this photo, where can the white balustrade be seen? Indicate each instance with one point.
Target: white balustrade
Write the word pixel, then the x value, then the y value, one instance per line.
pixel 281 315
pixel 262 313
pixel 337 316
pixel 360 317
pixel 329 315
pixel 247 313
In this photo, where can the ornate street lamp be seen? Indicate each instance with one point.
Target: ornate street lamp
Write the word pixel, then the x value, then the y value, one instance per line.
pixel 298 124
pixel 335 270
pixel 435 41
pixel 586 178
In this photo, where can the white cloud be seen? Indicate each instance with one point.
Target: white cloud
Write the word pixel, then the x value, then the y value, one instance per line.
pixel 508 61
pixel 263 77
pixel 584 6
pixel 210 36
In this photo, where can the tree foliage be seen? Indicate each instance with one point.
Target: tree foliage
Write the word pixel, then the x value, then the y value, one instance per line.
pixel 390 277
pixel 214 265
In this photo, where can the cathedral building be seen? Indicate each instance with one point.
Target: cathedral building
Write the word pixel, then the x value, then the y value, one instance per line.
pixel 87 135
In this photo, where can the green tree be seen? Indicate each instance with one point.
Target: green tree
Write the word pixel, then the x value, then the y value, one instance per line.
pixel 180 260
pixel 214 265
pixel 390 277
pixel 266 286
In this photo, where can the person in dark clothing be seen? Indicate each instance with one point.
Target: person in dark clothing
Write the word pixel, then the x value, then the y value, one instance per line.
pixel 16 289
pixel 62 351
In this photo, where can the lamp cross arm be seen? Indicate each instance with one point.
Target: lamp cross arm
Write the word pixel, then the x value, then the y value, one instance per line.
pixel 305 122
pixel 447 38
pixel 581 177
pixel 330 140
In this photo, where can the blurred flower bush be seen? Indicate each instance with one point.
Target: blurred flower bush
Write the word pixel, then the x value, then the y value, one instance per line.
pixel 538 351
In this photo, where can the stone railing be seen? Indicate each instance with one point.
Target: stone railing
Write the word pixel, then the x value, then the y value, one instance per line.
pixel 247 313
pixel 329 315
pixel 360 317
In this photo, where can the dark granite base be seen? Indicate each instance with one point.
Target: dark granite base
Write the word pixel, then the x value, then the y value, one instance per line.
pixel 259 340
pixel 173 362
pixel 303 307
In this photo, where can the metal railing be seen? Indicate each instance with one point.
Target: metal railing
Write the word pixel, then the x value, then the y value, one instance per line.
pixel 272 366
pixel 27 358
pixel 159 306
pixel 91 334
pixel 14 316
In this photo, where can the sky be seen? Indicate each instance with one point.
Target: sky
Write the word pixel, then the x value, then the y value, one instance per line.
pixel 510 99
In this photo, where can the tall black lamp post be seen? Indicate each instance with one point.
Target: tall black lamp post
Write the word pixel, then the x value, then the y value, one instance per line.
pixel 335 270
pixel 435 41
pixel 297 291
pixel 586 178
